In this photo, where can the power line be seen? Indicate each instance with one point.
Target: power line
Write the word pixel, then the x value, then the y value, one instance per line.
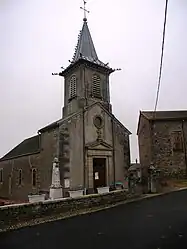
pixel 161 61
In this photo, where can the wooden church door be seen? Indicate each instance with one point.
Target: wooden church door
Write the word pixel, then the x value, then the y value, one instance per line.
pixel 99 172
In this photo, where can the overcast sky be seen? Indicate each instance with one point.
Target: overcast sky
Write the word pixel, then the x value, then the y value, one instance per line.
pixel 39 36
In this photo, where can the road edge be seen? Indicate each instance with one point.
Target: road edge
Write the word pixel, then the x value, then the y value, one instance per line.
pixel 88 211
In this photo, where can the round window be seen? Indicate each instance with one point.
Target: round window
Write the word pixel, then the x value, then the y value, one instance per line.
pixel 98 122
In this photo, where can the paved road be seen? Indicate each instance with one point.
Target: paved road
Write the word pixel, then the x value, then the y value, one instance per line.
pixel 154 223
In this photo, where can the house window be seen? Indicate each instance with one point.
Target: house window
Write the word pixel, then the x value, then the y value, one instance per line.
pixel 1 175
pixel 73 87
pixel 177 141
pixel 34 177
pixel 96 86
pixel 20 177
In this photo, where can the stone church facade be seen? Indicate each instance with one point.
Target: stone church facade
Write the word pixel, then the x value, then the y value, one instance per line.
pixel 92 146
pixel 162 141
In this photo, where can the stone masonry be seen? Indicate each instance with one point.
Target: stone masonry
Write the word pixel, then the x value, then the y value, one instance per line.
pixel 162 142
pixel 87 134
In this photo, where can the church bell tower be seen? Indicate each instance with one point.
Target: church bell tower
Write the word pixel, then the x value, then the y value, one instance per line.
pixel 86 79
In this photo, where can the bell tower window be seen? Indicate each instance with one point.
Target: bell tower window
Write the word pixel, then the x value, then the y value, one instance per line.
pixel 73 87
pixel 96 86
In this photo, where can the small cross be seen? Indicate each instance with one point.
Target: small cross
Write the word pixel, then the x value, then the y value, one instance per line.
pixel 85 10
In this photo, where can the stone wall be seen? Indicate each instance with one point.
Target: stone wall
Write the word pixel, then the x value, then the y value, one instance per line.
pixel 156 145
pixel 164 157
pixel 49 140
pixel 144 142
pixel 76 153
pixel 121 152
pixel 12 187
pixel 15 214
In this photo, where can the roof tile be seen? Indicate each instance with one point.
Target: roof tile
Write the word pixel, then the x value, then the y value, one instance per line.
pixel 28 146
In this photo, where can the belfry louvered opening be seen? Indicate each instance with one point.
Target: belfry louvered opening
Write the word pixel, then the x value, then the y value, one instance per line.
pixel 96 86
pixel 73 87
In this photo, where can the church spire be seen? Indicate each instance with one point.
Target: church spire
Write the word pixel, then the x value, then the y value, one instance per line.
pixel 85 50
pixel 85 47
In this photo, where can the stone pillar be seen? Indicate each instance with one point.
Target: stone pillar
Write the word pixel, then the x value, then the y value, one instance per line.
pixel 107 171
pixel 56 188
pixel 90 174
pixel 87 172
pixel 111 171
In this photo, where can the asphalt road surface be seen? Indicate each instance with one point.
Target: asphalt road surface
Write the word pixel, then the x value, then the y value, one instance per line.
pixel 155 223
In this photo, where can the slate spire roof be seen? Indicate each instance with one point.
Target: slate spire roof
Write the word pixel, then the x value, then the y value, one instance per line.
pixel 85 47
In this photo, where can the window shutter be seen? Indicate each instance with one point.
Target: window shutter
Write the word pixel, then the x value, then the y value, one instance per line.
pixel 177 141
pixel 96 86
pixel 72 87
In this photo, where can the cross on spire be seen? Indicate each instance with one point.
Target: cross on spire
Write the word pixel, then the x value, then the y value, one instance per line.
pixel 85 10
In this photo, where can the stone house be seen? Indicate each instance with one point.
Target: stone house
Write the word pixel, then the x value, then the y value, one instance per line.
pixel 135 169
pixel 162 140
pixel 92 146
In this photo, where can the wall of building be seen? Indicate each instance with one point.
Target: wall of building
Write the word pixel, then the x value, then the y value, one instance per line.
pixel 121 161
pixel 49 141
pixel 121 141
pixel 107 132
pixel 89 72
pixel 64 154
pixel 84 97
pixel 90 129
pixel 76 151
pixel 144 141
pixel 10 187
pixel 164 156
pixel 78 72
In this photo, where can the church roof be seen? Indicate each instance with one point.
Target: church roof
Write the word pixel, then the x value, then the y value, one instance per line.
pixel 50 126
pixel 85 46
pixel 85 50
pixel 56 123
pixel 28 146
pixel 179 114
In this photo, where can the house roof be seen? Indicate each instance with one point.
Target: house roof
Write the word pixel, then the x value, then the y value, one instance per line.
pixel 134 166
pixel 180 114
pixel 162 115
pixel 28 146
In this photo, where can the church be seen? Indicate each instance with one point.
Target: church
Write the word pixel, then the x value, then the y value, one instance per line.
pixel 91 144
